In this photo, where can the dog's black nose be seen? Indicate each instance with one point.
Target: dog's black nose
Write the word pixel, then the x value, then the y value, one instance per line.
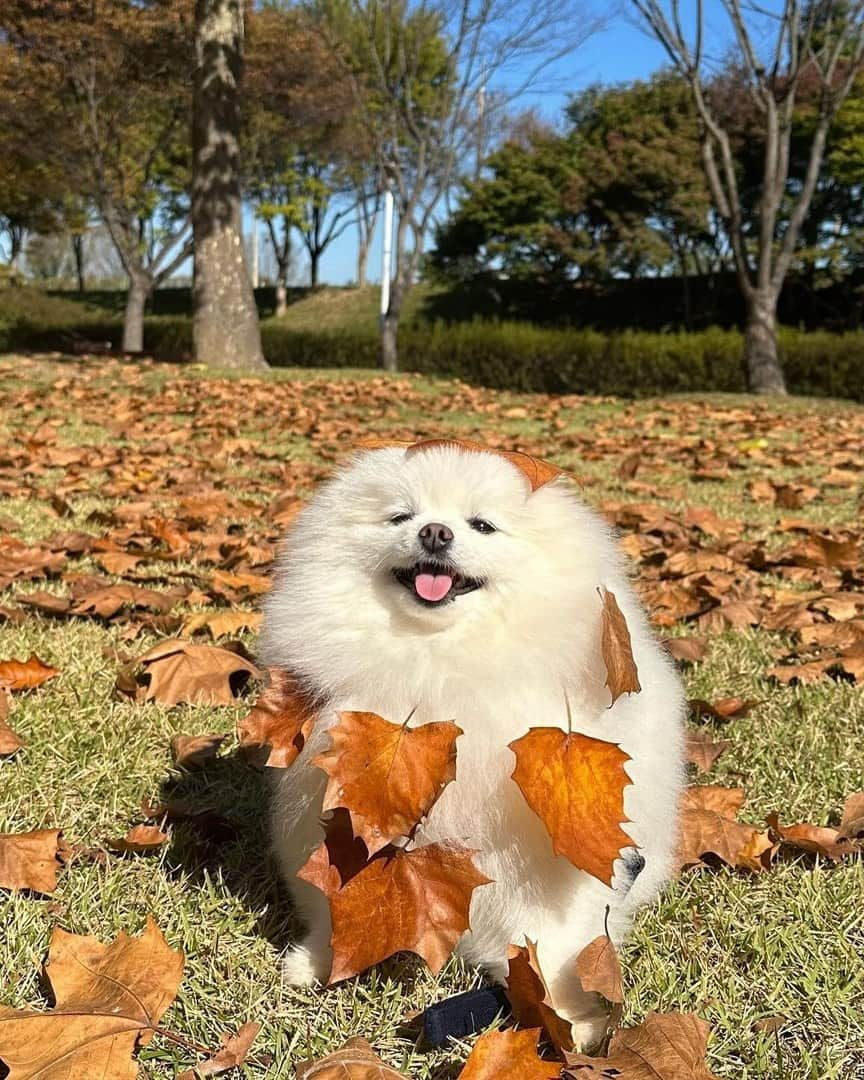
pixel 435 537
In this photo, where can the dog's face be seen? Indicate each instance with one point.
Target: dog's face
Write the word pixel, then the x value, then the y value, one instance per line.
pixel 438 535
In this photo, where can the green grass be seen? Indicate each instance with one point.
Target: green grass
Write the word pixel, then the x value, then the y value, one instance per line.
pixel 733 948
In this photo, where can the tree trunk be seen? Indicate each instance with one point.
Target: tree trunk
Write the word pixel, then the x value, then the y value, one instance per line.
pixel 133 320
pixel 764 374
pixel 388 353
pixel 78 252
pixel 314 258
pixel 225 321
pixel 281 296
pixel 362 263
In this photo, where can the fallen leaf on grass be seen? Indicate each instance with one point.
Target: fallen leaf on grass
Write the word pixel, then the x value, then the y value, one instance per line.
pixel 386 775
pixel 222 623
pixel 852 821
pixel 176 672
pixel 599 970
pixel 25 674
pixel 529 996
pixel 194 751
pixel 275 731
pixel 30 860
pixel 141 839
pixel 230 1056
pixel 575 785
pixel 109 999
pixel 667 1046
pixel 689 650
pixel 507 1055
pixel 721 710
pixel 355 1061
pixel 621 674
pixel 709 827
pixel 817 839
pixel 702 751
pixel 413 901
pixel 10 741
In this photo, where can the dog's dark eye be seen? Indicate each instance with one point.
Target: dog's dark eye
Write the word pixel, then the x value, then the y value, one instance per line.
pixel 400 519
pixel 481 526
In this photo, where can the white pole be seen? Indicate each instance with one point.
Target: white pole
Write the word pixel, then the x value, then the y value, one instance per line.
pixel 387 253
pixel 255 278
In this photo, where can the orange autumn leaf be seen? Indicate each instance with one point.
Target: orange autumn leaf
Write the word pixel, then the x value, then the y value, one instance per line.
pixel 141 839
pixel 275 731
pixel 355 1061
pixel 852 822
pixel 621 674
pixel 575 784
pixel 386 775
pixel 25 674
pixel 508 1055
pixel 109 1000
pixel 176 671
pixel 30 860
pixel 816 839
pixel 709 826
pixel 529 996
pixel 414 901
pixel 666 1046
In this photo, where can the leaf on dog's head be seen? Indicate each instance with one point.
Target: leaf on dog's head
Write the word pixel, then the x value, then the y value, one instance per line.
pixel 575 785
pixel 669 1045
pixel 621 674
pixel 109 1000
pixel 412 901
pixel 25 674
pixel 176 671
pixel 275 731
pixel 30 860
pixel 355 1061
pixel 386 775
pixel 508 1055
pixel 529 996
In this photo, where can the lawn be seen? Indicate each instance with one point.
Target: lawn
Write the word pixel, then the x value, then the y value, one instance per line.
pixel 190 475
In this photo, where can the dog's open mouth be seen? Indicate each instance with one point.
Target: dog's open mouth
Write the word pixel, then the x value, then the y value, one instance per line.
pixel 435 583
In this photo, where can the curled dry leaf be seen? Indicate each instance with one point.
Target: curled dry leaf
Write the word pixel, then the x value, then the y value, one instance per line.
pixel 109 999
pixel 25 674
pixel 355 1061
pixel 30 860
pixel 852 822
pixel 621 674
pixel 232 1054
pixel 194 751
pixel 723 709
pixel 709 827
pixel 176 671
pixel 530 999
pixel 413 901
pixel 386 775
pixel 817 839
pixel 275 731
pixel 667 1046
pixel 599 970
pixel 575 785
pixel 141 839
pixel 702 751
pixel 508 1055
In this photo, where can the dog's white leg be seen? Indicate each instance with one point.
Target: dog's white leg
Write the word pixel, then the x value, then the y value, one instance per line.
pixel 309 960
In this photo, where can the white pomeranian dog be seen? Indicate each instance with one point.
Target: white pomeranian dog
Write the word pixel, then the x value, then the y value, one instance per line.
pixel 438 581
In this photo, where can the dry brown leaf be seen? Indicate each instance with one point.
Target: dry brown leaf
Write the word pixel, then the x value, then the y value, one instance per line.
pixel 275 731
pixel 575 784
pixel 723 709
pixel 175 671
pixel 232 1054
pixel 25 674
pixel 109 999
pixel 816 839
pixel 689 650
pixel 194 751
pixel 598 969
pixel 529 996
pixel 222 623
pixel 621 674
pixel 709 827
pixel 141 839
pixel 538 473
pixel 852 822
pixel 355 1061
pixel 10 741
pixel 667 1046
pixel 508 1055
pixel 702 751
pixel 30 860
pixel 386 775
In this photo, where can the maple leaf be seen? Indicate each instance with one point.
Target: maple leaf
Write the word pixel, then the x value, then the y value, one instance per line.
pixel 231 1055
pixel 107 601
pixel 621 674
pixel 599 970
pixel 575 784
pixel 413 901
pixel 817 839
pixel 25 674
pixel 275 731
pixel 29 860
pixel 386 775
pixel 355 1061
pixel 194 751
pixel 140 839
pixel 508 1055
pixel 109 999
pixel 709 826
pixel 671 1046
pixel 222 623
pixel 702 751
pixel 529 996
pixel 176 671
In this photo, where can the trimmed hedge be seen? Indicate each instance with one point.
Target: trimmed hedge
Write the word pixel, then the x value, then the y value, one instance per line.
pixel 515 356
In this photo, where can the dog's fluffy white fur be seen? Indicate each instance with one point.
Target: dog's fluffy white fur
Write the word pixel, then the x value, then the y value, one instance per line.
pixel 497 661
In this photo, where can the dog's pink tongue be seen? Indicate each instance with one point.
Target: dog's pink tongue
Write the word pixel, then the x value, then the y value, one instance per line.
pixel 433 586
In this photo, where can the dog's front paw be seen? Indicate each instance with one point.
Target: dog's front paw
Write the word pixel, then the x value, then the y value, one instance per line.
pixel 589 1031
pixel 303 966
